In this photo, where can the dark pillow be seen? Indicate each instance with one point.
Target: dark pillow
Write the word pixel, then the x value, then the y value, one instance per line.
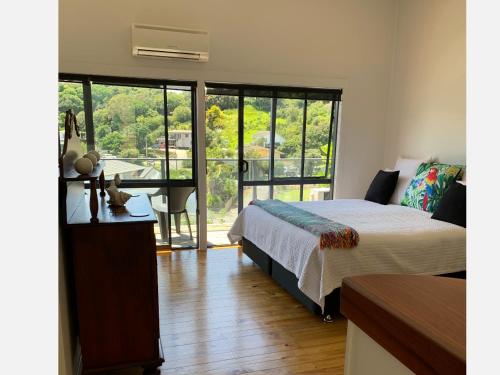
pixel 452 207
pixel 382 187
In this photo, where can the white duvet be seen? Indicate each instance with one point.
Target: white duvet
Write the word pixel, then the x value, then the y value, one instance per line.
pixel 392 239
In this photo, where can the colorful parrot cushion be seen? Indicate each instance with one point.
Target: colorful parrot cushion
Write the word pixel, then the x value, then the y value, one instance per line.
pixel 429 184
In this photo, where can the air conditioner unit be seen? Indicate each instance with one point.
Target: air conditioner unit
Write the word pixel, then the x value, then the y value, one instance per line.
pixel 169 42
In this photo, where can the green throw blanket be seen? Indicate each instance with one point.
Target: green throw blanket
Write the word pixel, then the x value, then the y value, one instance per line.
pixel 331 234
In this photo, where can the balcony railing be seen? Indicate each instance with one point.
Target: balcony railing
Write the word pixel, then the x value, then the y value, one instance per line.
pixel 147 168
pixel 222 193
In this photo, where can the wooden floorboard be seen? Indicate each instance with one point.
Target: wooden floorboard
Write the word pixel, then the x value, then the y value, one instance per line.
pixel 220 314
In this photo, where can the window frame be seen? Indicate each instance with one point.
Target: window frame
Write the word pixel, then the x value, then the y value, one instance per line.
pixel 88 79
pixel 278 92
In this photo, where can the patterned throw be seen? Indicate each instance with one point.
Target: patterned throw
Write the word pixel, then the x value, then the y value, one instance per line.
pixel 331 234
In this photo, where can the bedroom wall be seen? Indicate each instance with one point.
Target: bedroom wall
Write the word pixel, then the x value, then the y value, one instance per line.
pixel 426 114
pixel 321 43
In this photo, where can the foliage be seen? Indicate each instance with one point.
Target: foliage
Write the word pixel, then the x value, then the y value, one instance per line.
pixel 129 153
pixel 70 97
pixel 112 142
pixel 181 114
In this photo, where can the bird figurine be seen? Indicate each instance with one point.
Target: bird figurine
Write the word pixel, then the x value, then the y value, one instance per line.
pixel 116 197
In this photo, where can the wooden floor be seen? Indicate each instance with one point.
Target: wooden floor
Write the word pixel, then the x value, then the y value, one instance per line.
pixel 220 314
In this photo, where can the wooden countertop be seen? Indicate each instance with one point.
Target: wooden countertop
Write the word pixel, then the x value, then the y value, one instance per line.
pixel 418 319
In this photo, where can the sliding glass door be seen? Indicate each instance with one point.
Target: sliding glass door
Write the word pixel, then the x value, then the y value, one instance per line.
pixel 145 131
pixel 222 165
pixel 274 142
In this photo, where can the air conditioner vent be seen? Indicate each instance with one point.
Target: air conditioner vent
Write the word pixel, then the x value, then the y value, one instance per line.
pixel 169 42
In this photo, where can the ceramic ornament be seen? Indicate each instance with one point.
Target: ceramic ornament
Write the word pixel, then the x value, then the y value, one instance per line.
pixel 92 158
pixel 96 154
pixel 83 166
pixel 117 180
pixel 116 197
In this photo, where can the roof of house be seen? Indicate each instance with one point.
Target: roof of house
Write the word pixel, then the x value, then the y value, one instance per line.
pixel 113 166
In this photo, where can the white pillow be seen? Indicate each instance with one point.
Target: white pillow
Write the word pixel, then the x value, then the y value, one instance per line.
pixel 407 170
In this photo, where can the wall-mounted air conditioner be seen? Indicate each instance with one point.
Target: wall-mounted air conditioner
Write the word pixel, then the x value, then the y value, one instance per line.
pixel 169 42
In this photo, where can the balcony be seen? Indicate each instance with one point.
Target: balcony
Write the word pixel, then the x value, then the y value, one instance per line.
pixel 222 186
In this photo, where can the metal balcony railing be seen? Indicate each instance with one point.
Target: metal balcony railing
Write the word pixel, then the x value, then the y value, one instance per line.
pixel 258 167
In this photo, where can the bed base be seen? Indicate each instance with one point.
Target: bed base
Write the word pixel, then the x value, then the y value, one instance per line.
pixel 289 282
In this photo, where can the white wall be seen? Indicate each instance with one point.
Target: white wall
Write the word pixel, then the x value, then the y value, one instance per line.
pixel 427 106
pixel 320 43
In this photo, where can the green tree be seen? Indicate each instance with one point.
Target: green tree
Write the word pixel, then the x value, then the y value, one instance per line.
pixel 222 101
pixel 70 97
pixel 121 110
pixel 129 153
pixel 102 130
pixel 181 114
pixel 141 132
pixel 215 118
pixel 113 142
pixel 153 121
pixel 176 99
pixel 101 117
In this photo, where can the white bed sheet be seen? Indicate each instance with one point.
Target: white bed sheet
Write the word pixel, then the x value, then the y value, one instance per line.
pixel 393 239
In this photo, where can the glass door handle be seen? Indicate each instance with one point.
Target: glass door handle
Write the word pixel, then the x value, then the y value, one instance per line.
pixel 244 166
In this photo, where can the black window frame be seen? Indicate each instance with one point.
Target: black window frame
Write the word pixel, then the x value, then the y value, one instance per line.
pixel 282 92
pixel 165 84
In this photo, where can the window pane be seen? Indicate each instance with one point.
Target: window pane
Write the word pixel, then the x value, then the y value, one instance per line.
pixel 251 193
pixel 317 136
pixel 222 166
pixel 128 129
pixel 288 137
pixel 180 134
pixel 316 192
pixel 71 97
pixel 160 208
pixel 257 138
pixel 287 193
pixel 180 224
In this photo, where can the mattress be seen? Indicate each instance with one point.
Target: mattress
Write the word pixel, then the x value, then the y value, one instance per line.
pixel 393 239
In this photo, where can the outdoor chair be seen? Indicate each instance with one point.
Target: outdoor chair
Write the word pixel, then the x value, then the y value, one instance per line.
pixel 178 198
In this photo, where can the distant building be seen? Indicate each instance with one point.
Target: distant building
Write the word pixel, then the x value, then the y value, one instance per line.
pixel 181 139
pixel 263 138
pixel 262 152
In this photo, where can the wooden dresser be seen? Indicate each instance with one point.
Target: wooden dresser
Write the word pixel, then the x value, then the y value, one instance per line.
pixel 404 324
pixel 114 273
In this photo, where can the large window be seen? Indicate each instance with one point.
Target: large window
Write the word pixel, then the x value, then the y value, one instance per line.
pixel 145 132
pixel 288 134
pixel 267 142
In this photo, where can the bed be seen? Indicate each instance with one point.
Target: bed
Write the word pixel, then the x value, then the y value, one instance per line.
pixel 392 239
